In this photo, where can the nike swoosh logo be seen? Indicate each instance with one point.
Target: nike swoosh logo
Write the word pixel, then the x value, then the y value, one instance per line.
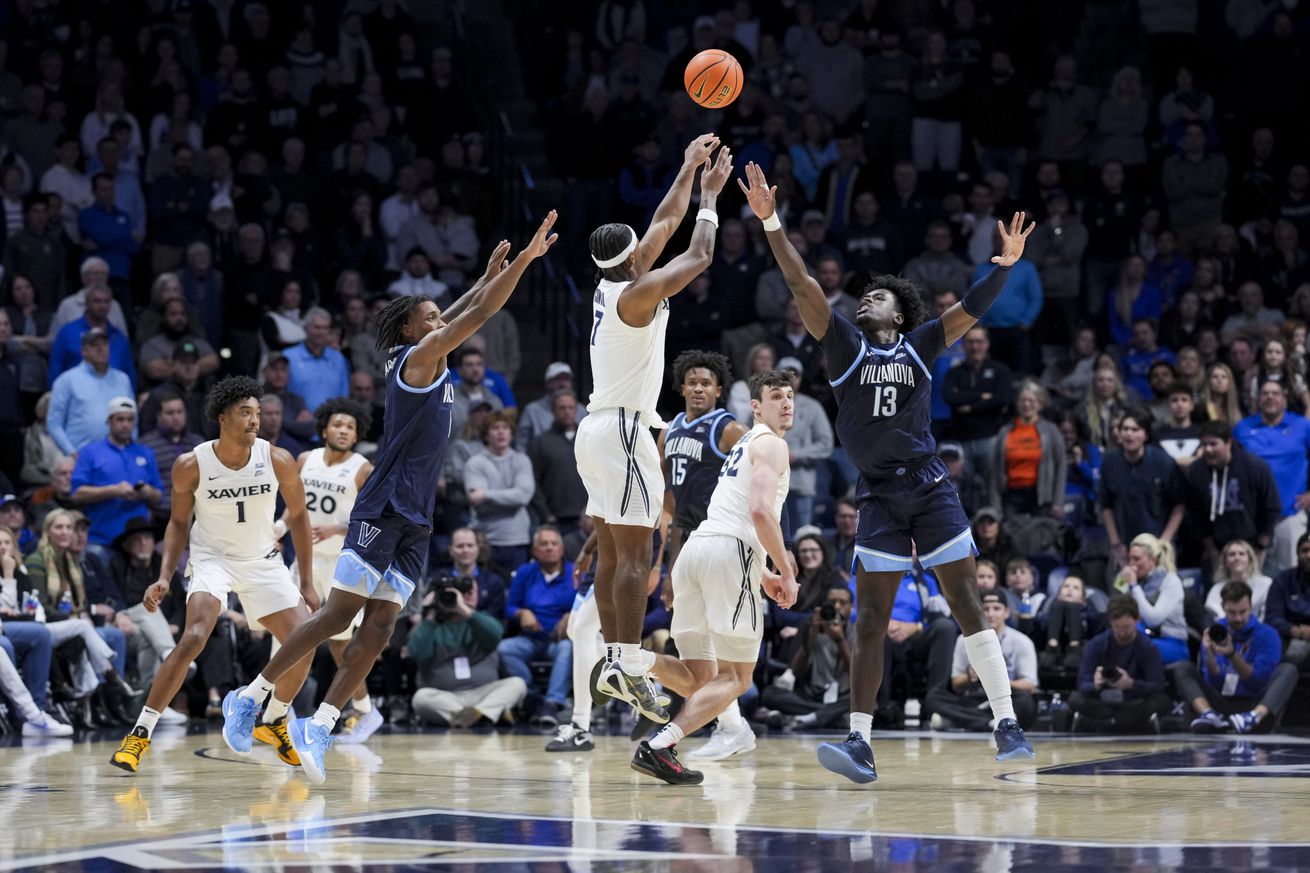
pixel 939 478
pixel 212 478
pixel 309 738
pixel 700 89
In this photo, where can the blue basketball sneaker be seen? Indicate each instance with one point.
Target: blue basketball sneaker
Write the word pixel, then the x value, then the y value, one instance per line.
pixel 239 716
pixel 311 741
pixel 852 758
pixel 1010 741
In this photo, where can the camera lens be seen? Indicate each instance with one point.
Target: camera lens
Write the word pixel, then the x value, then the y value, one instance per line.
pixel 1218 634
pixel 828 612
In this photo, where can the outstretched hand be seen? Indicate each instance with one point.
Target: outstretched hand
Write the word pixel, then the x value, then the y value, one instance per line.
pixel 498 261
pixel 715 176
pixel 698 152
pixel 759 195
pixel 543 239
pixel 1012 239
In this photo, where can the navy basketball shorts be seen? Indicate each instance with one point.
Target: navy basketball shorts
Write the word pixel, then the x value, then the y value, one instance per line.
pixel 919 508
pixel 383 558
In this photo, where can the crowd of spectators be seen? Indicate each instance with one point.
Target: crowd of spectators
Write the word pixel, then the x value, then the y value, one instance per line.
pixel 225 186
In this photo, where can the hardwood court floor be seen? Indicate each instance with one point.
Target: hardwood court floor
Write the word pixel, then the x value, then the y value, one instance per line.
pixel 491 800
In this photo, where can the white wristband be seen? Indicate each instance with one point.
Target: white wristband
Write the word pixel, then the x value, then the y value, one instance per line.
pixel 708 215
pixel 773 222
pixel 279 529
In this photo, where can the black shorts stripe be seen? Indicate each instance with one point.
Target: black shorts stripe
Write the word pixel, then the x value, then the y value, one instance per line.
pixel 746 556
pixel 628 439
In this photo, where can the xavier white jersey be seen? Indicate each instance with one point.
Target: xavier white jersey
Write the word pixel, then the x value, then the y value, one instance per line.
pixel 730 504
pixel 330 494
pixel 627 363
pixel 234 508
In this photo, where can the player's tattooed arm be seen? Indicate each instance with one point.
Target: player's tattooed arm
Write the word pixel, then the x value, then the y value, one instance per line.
pixel 810 299
pixel 297 519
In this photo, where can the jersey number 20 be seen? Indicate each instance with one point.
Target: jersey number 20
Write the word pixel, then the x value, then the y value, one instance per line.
pixel 884 401
pixel 327 505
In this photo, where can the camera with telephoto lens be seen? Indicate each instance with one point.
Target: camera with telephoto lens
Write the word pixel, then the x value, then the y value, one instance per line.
pixel 828 612
pixel 1111 673
pixel 1218 634
pixel 449 588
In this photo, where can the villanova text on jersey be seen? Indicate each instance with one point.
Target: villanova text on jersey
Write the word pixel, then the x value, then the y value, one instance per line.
pixel 415 432
pixel 884 395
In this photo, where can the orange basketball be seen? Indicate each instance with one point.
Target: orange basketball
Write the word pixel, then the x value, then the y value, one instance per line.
pixel 713 79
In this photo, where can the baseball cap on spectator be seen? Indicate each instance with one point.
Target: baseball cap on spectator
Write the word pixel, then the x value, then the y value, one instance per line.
pixel 186 351
pixel 813 215
pixel 219 202
pixel 95 333
pixel 989 512
pixel 559 368
pixel 79 518
pixel 993 597
pixel 8 499
pixel 950 450
pixel 275 358
pixel 93 263
pixel 807 530
pixel 122 404
pixel 790 363
pixel 704 21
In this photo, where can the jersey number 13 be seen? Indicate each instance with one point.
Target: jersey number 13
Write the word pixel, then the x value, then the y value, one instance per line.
pixel 884 401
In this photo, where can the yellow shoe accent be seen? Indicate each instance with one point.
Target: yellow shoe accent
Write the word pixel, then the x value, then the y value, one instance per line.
pixel 130 752
pixel 348 726
pixel 275 735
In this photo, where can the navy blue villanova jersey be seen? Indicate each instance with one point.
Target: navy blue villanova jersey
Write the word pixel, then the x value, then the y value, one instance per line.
pixel 692 450
pixel 415 432
pixel 884 395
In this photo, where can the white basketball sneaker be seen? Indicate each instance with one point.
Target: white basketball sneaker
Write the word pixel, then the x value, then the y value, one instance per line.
pixel 723 744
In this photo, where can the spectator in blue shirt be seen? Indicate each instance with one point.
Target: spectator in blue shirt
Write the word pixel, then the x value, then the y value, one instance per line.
pixel 942 300
pixel 1240 683
pixel 1282 438
pixel 116 478
pixel 66 351
pixel 1144 352
pixel 318 373
pixel 1170 271
pixel 81 394
pixel 921 634
pixel 473 369
pixel 540 600
pixel 1134 298
pixel 1012 315
pixel 108 230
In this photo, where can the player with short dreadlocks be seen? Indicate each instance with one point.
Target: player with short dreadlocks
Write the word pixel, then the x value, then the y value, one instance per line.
pixel 385 553
pixel 881 371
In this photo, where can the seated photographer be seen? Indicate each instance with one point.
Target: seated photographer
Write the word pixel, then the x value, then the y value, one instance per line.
pixel 1240 683
pixel 964 703
pixel 819 689
pixel 454 649
pixel 1121 678
pixel 540 599
pixel 920 637
pixel 1067 623
pixel 464 562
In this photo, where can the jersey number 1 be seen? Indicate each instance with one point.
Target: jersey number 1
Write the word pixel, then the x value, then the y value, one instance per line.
pixel 884 401
pixel 241 512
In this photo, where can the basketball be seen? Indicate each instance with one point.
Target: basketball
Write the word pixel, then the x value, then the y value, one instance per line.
pixel 713 79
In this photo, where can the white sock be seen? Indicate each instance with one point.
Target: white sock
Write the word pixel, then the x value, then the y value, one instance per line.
pixel 258 689
pixel 984 650
pixel 327 716
pixel 862 724
pixel 275 710
pixel 730 719
pixel 363 704
pixel 668 736
pixel 147 719
pixel 609 652
pixel 631 658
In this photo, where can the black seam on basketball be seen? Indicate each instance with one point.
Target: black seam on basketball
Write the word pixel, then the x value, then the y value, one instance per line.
pixel 715 89
pixel 703 75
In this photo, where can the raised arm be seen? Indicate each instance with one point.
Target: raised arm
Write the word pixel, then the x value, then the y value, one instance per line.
pixel 673 208
pixel 810 299
pixel 957 320
pixel 495 264
pixel 638 301
pixel 768 461
pixel 430 353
